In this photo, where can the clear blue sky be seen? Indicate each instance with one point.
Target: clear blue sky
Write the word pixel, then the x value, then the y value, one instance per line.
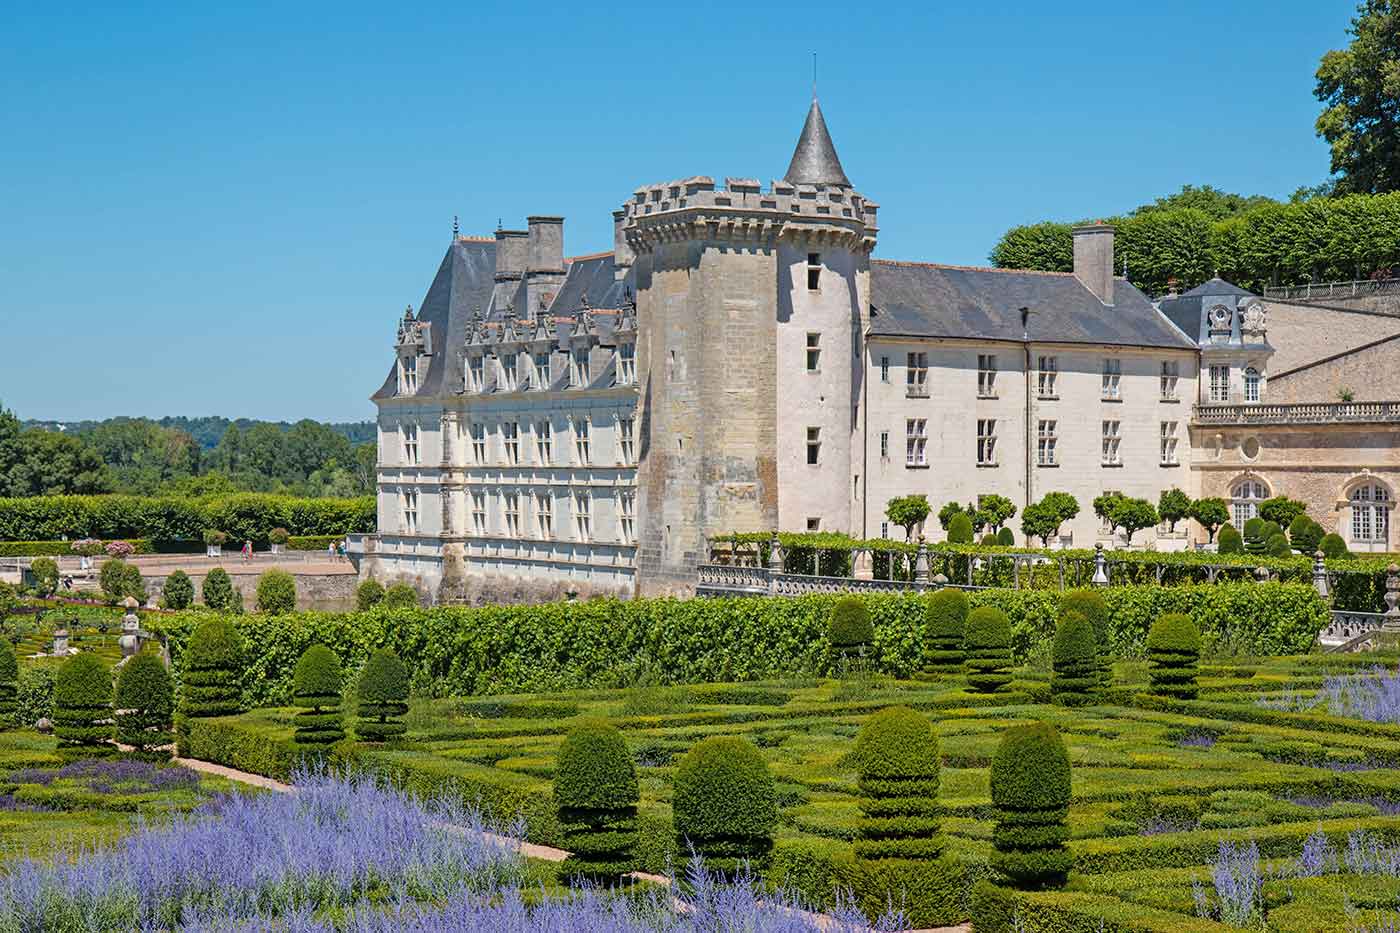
pixel 222 209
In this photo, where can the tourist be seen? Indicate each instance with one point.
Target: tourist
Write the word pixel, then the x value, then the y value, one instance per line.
pixel 247 550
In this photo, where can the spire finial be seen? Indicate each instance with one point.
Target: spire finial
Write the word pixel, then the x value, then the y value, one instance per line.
pixel 814 76
pixel 456 230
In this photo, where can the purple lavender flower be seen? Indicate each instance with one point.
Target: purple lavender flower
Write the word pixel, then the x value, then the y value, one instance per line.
pixel 1197 740
pixel 1239 883
pixel 1318 857
pixel 1372 694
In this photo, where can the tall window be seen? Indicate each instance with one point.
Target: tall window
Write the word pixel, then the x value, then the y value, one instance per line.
pixel 476 373
pixel 1245 498
pixel 510 435
pixel 544 515
pixel 627 516
pixel 1169 443
pixel 814 446
pixel 626 439
pixel 542 370
pixel 408 375
pixel 814 271
pixel 986 441
pixel 410 444
pixel 478 443
pixel 1220 383
pixel 916 372
pixel 1045 441
pixel 1112 437
pixel 1251 385
pixel 814 352
pixel 1048 368
pixel 410 511
pixel 583 514
pixel 884 445
pixel 1370 514
pixel 626 363
pixel 986 375
pixel 512 513
pixel 582 451
pixel 884 369
pixel 915 441
pixel 578 374
pixel 544 442
pixel 478 512
pixel 1171 372
pixel 1112 378
pixel 508 372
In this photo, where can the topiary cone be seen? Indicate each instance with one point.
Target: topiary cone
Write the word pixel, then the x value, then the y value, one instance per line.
pixel 145 703
pixel 1030 780
pixel 987 649
pixel 946 620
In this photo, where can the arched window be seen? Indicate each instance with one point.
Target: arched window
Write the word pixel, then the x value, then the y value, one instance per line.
pixel 1245 498
pixel 1370 514
pixel 1251 385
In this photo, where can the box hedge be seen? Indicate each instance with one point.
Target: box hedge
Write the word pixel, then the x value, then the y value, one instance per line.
pixel 145 701
pixel 596 793
pixel 1030 782
pixel 1074 654
pixel 1174 650
pixel 724 803
pixel 82 707
pixel 987 649
pixel 943 637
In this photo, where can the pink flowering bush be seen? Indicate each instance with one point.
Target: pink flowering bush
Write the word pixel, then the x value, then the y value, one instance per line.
pixel 86 547
pixel 120 550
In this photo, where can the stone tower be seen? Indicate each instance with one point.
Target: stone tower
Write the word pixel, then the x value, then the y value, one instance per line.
pixel 750 302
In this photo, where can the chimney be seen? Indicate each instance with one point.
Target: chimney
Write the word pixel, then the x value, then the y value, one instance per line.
pixel 512 249
pixel 622 253
pixel 1172 290
pixel 1093 259
pixel 546 244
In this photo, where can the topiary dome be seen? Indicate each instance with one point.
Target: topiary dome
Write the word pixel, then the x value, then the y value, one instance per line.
pixel 946 618
pixel 596 795
pixel 849 624
pixel 987 649
pixel 383 697
pixel 1075 658
pixel 145 699
pixel 82 707
pixel 724 802
pixel 1030 782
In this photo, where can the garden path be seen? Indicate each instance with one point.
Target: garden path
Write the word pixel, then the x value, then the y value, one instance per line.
pixel 528 849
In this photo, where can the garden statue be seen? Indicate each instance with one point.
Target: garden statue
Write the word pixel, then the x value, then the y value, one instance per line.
pixel 130 640
pixel 60 643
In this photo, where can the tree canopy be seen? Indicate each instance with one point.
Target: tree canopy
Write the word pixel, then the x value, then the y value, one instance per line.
pixel 1359 87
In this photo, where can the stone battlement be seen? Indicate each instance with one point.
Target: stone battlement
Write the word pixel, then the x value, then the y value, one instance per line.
pixel 781 197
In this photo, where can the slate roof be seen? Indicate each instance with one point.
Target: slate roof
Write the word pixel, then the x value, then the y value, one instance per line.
pixel 1184 310
pixel 814 161
pixel 927 300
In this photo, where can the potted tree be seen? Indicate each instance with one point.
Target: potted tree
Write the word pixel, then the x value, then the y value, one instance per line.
pixel 214 542
pixel 86 549
pixel 278 538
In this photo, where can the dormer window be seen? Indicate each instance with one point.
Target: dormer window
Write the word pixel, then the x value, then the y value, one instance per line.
pixel 626 364
pixel 508 372
pixel 542 370
pixel 578 376
pixel 814 271
pixel 408 375
pixel 476 373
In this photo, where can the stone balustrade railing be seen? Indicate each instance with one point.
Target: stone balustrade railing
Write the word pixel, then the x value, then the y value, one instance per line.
pixel 1301 413
pixel 1317 290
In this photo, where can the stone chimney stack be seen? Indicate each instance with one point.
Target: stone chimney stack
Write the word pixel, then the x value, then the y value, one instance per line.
pixel 1093 259
pixel 512 250
pixel 622 253
pixel 546 244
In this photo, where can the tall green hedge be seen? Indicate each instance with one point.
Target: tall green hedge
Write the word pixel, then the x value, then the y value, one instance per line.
pixel 609 643
pixel 82 707
pixel 987 649
pixel 596 795
pixel 9 684
pixel 947 616
pixel 1030 780
pixel 243 516
pixel 145 702
pixel 724 803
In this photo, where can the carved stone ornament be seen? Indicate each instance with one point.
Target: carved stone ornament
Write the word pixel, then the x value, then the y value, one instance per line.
pixel 1253 318
pixel 1219 318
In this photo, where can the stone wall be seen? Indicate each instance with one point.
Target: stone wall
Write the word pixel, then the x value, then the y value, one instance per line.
pixel 321 591
pixel 1368 374
pixel 1305 333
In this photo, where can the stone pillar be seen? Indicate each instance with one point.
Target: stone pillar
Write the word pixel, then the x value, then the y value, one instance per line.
pixel 1392 599
pixel 864 564
pixel 921 563
pixel 60 643
pixel 775 554
pixel 1319 576
pixel 1100 567
pixel 130 640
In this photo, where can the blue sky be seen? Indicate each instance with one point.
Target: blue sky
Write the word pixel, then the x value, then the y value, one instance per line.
pixel 222 209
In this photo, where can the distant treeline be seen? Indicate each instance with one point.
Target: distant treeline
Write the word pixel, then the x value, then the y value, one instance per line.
pixel 209 430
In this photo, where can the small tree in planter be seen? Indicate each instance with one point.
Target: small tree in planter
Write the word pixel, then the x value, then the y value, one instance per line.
pixel 849 631
pixel 278 538
pixel 218 590
pixel 987 649
pixel 368 594
pixel 724 804
pixel 9 685
pixel 596 796
pixel 145 706
pixel 1030 779
pixel 943 638
pixel 178 592
pixel 316 688
pixel 1174 648
pixel 1173 506
pixel 277 592
pixel 1076 677
pixel 214 541
pixel 908 512
pixel 82 708
pixel 86 549
pixel 383 695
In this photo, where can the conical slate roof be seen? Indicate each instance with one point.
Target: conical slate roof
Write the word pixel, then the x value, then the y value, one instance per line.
pixel 814 161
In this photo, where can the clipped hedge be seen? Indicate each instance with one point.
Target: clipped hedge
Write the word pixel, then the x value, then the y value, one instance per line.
pixel 9 684
pixel 316 685
pixel 849 626
pixel 987 649
pixel 1074 654
pixel 1174 649
pixel 596 793
pixel 383 696
pixel 82 708
pixel 250 516
pixel 1030 779
pixel 609 643
pixel 145 702
pixel 212 665
pixel 724 803
pixel 947 618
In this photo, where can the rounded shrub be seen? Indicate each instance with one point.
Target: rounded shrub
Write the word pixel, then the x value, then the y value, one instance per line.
pixel 1277 546
pixel 277 592
pixel 989 540
pixel 946 618
pixel 1253 529
pixel 1077 673
pixel 211 680
pixel 383 696
pixel 118 580
pixel 1304 534
pixel 45 573
pixel 400 596
pixel 596 796
pixel 82 707
pixel 724 803
pixel 848 625
pixel 1228 540
pixel 1090 604
pixel 1030 780
pixel 1332 546
pixel 316 685
pixel 1174 650
pixel 9 685
pixel 368 594
pixel 178 592
pixel 987 649
pixel 145 705
pixel 1006 537
pixel 960 529
pixel 217 590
